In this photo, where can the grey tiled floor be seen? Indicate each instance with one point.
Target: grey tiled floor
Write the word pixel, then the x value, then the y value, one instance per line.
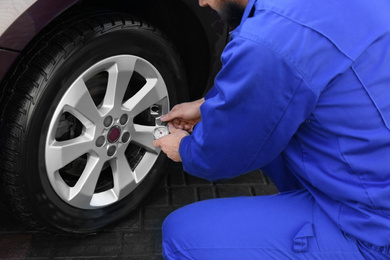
pixel 138 236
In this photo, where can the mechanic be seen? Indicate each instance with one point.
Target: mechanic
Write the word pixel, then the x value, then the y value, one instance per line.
pixel 304 94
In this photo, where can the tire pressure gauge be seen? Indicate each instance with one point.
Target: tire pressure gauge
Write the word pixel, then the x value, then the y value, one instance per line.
pixel 160 131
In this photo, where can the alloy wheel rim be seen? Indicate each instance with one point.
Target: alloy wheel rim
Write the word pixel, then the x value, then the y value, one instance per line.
pixel 106 130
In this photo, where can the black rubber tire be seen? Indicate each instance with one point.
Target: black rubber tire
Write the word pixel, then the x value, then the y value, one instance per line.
pixel 41 77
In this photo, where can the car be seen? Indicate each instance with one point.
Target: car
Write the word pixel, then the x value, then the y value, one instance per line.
pixel 83 84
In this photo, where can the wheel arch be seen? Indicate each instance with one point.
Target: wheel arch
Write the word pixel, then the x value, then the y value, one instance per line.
pixel 196 32
pixel 21 22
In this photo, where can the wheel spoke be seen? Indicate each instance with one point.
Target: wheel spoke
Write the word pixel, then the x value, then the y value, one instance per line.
pixel 59 154
pixel 124 181
pixel 81 194
pixel 118 81
pixel 78 101
pixel 148 95
pixel 143 136
pixel 145 165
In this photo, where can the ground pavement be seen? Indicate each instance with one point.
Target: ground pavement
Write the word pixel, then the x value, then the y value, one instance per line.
pixel 138 236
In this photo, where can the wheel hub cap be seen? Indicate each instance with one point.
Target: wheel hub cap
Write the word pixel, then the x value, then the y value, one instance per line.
pixel 113 134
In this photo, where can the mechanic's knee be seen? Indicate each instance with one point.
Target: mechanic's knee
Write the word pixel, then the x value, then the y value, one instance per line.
pixel 172 234
pixel 178 229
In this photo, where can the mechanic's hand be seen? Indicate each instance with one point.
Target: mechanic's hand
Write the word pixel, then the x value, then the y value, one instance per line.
pixel 170 143
pixel 185 115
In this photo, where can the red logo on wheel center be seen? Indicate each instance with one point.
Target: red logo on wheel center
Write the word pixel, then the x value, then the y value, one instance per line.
pixel 113 134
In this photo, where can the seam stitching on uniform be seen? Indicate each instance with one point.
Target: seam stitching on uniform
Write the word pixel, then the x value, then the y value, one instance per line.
pixel 306 26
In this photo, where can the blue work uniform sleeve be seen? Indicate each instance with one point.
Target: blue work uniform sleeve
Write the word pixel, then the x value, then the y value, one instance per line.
pixel 257 103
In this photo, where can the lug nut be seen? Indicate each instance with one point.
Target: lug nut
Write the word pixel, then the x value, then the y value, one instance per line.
pixel 123 119
pixel 111 151
pixel 125 137
pixel 155 110
pixel 100 141
pixel 108 121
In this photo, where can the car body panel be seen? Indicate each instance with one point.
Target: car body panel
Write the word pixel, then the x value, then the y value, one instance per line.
pixel 11 11
pixel 29 22
pixel 31 16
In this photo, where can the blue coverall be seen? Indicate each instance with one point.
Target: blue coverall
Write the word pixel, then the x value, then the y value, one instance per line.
pixel 304 94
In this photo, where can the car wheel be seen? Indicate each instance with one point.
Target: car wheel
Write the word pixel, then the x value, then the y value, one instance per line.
pixel 79 111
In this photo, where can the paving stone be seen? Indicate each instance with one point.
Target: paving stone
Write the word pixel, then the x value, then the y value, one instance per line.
pixel 265 189
pixel 138 235
pixel 175 175
pixel 41 245
pixel 233 191
pixel 160 198
pixel 84 258
pixel 142 243
pixel 102 244
pixel 193 180
pixel 81 258
pixel 249 178
pixel 158 257
pixel 181 196
pixel 154 216
pixel 14 246
pixel 132 222
pixel 205 193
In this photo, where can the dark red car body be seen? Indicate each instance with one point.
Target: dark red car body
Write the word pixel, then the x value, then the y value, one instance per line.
pixel 196 32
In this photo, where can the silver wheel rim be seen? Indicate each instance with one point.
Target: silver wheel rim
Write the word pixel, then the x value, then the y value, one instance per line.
pixel 106 131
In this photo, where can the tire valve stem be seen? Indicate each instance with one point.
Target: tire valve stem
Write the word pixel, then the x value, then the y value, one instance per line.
pixel 155 110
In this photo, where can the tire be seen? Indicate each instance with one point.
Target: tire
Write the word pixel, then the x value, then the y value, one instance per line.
pixel 78 114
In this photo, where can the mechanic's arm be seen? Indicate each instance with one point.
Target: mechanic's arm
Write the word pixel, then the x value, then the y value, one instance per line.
pixel 258 105
pixel 185 115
